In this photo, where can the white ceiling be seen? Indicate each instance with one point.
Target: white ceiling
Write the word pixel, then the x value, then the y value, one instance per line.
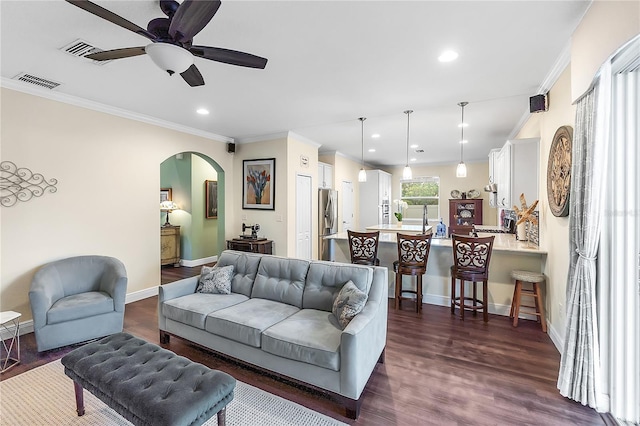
pixel 330 62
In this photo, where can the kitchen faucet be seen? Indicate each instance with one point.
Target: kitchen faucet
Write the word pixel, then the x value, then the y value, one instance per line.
pixel 424 219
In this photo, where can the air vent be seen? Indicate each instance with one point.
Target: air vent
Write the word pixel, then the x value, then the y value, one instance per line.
pixel 419 150
pixel 81 49
pixel 37 81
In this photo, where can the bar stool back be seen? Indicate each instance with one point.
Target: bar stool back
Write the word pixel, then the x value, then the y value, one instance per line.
pixel 413 254
pixel 363 247
pixel 534 278
pixel 471 256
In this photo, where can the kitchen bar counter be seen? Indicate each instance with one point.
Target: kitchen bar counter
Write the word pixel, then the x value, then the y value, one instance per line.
pixel 404 229
pixel 508 254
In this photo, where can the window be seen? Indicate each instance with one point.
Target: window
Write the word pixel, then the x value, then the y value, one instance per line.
pixel 419 192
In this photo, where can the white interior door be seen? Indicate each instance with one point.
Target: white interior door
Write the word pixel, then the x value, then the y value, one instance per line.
pixel 347 205
pixel 303 217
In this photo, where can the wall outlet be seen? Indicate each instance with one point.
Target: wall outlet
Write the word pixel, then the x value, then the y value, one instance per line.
pixel 279 218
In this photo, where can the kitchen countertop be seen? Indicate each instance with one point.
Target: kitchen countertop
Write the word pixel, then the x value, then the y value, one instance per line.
pixel 502 242
pixel 393 228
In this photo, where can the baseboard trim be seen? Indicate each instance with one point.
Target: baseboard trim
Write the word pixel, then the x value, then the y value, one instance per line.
pixel 556 338
pixel 141 294
pixel 198 262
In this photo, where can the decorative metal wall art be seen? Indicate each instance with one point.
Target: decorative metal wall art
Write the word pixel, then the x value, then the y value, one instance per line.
pixel 21 184
pixel 559 171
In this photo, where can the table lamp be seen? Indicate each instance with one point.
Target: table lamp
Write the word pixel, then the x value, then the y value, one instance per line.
pixel 168 206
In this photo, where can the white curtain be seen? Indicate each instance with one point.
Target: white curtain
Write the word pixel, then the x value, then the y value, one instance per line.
pixel 619 258
pixel 579 377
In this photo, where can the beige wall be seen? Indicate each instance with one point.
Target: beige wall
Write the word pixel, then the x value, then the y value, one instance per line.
pixel 108 172
pixel 554 231
pixel 606 26
pixel 477 178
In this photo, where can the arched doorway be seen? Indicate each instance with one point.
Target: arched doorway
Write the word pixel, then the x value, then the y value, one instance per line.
pixel 188 176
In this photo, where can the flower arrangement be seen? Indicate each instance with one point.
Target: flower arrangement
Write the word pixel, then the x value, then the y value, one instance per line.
pixel 399 206
pixel 258 180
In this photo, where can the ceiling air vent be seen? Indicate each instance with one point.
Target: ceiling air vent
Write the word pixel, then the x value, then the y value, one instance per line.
pixel 37 81
pixel 81 49
pixel 419 150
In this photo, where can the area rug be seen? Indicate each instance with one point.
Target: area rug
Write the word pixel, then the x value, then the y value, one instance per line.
pixel 44 396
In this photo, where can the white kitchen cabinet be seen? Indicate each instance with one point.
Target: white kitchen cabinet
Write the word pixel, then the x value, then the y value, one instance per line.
pixel 325 175
pixel 493 164
pixel 517 172
pixel 375 196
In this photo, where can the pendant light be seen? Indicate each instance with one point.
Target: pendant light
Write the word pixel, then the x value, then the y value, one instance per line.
pixel 406 172
pixel 362 175
pixel 461 170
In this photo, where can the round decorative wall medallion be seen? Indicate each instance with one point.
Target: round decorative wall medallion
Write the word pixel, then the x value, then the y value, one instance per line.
pixel 559 171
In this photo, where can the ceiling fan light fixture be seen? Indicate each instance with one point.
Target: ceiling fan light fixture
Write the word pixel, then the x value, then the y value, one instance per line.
pixel 169 57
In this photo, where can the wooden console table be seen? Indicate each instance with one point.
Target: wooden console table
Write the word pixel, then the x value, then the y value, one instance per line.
pixel 263 246
pixel 170 245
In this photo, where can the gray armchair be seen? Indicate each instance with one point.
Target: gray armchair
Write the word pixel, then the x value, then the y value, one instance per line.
pixel 77 299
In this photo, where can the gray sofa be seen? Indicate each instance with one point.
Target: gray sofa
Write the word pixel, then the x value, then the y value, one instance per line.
pixel 278 317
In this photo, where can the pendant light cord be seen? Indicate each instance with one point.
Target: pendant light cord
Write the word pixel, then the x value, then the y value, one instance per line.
pixel 408 112
pixel 462 105
pixel 362 138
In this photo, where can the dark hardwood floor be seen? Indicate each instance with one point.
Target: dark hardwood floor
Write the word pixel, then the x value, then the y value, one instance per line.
pixel 438 370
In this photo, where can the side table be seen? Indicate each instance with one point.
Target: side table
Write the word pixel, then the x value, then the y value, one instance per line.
pixel 7 319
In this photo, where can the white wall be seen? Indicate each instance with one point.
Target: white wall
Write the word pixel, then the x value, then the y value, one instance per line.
pixel 108 172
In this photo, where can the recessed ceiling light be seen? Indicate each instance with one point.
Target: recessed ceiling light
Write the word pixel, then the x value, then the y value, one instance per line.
pixel 375 135
pixel 372 150
pixel 463 125
pixel 414 146
pixel 464 141
pixel 412 159
pixel 203 111
pixel 448 56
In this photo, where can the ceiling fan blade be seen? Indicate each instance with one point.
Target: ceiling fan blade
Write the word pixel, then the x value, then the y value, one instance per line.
pixel 103 13
pixel 193 77
pixel 108 55
pixel 227 56
pixel 191 17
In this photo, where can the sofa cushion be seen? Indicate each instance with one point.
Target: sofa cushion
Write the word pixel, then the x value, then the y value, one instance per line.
pixel 281 279
pixel 193 309
pixel 246 321
pixel 325 279
pixel 310 336
pixel 349 303
pixel 216 280
pixel 245 268
pixel 81 305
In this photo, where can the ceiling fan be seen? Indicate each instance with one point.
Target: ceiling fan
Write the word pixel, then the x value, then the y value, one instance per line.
pixel 172 47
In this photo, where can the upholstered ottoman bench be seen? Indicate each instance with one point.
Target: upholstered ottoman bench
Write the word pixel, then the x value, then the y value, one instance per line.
pixel 146 384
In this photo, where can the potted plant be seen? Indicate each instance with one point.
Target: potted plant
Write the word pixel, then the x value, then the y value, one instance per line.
pixel 399 207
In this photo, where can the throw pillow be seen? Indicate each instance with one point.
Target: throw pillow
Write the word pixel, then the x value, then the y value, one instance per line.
pixel 349 303
pixel 215 280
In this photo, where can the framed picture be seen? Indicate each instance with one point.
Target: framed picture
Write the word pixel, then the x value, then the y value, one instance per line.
pixel 165 194
pixel 259 184
pixel 211 194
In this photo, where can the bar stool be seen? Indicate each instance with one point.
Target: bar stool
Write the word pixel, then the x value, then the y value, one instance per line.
pixel 471 256
pixel 363 247
pixel 413 254
pixel 534 278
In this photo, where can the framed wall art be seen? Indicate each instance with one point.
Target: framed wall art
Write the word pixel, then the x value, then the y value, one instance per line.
pixel 258 184
pixel 559 171
pixel 211 202
pixel 165 194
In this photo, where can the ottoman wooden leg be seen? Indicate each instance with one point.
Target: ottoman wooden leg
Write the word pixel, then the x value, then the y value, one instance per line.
pixel 79 398
pixel 222 417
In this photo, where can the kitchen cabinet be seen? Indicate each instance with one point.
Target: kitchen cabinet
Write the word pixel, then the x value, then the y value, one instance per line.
pixel 517 172
pixel 374 199
pixel 463 214
pixel 170 245
pixel 325 175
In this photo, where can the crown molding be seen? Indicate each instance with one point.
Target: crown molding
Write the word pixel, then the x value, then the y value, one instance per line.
pixel 107 109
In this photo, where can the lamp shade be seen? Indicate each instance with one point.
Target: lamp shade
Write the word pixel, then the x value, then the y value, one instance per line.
pixel 170 57
pixel 168 206
pixel 362 175
pixel 461 170
pixel 406 173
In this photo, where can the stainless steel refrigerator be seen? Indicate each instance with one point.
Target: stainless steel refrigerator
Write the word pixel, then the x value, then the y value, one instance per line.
pixel 327 220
